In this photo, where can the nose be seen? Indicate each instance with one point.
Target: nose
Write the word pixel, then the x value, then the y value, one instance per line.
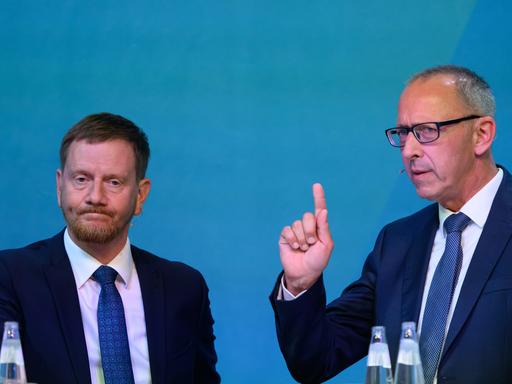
pixel 412 148
pixel 96 195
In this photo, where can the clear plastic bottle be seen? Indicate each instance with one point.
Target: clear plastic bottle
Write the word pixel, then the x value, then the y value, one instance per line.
pixel 408 365
pixel 12 365
pixel 378 370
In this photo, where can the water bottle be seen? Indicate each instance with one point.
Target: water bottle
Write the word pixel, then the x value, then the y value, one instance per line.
pixel 408 365
pixel 12 365
pixel 378 369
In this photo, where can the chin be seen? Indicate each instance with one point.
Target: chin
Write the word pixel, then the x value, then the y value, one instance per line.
pixel 94 233
pixel 424 193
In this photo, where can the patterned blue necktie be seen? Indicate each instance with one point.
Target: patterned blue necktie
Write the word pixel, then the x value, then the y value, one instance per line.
pixel 115 351
pixel 440 296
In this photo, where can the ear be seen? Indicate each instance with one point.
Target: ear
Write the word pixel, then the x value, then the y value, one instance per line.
pixel 59 187
pixel 144 187
pixel 483 135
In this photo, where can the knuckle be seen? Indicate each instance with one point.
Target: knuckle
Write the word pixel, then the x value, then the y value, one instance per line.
pixel 287 233
pixel 310 234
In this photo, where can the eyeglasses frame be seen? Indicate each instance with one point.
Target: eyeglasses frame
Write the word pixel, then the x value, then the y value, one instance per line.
pixel 438 125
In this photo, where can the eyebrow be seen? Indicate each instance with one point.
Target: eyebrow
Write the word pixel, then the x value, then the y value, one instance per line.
pixel 104 177
pixel 415 124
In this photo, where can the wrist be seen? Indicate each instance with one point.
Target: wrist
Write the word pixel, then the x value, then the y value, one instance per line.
pixel 298 285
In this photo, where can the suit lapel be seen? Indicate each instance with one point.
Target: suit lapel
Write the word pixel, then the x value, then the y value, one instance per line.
pixel 63 287
pixel 495 236
pixel 416 264
pixel 151 286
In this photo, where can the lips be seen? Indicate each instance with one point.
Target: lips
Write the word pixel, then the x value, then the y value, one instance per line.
pixel 95 213
pixel 420 175
pixel 419 171
pixel 416 168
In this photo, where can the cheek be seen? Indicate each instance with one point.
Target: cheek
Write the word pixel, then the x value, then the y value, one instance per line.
pixel 453 161
pixel 70 199
pixel 63 197
pixel 436 159
pixel 125 204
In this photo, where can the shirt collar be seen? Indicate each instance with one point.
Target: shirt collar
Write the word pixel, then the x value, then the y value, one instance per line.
pixel 478 207
pixel 84 265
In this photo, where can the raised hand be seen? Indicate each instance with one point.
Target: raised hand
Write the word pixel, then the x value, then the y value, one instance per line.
pixel 305 247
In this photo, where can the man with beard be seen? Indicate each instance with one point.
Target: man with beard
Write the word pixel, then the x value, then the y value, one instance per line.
pixel 93 308
pixel 447 267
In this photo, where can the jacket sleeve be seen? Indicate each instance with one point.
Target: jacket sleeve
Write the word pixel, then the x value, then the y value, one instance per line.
pixel 319 341
pixel 205 372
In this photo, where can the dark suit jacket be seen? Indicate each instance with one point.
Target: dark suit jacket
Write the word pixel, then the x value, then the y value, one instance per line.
pixel 318 341
pixel 37 289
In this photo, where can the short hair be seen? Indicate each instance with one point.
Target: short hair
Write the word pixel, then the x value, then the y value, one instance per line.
pixel 101 127
pixel 472 88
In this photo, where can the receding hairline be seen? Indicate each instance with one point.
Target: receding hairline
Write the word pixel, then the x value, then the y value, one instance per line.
pixel 471 88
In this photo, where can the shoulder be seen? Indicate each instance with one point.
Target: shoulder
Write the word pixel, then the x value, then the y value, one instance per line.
pixel 418 220
pixel 173 270
pixel 183 285
pixel 24 266
pixel 35 253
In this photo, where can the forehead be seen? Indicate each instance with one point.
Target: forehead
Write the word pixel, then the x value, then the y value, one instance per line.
pixel 112 156
pixel 432 99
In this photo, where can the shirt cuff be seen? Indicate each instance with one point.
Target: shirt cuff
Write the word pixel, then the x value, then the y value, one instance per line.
pixel 286 295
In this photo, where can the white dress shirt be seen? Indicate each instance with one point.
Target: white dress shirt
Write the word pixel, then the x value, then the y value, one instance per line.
pixel 127 283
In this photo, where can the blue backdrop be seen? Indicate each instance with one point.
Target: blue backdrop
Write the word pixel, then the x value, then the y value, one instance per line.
pixel 246 104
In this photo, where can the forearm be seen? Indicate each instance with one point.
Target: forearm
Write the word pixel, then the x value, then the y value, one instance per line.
pixel 317 341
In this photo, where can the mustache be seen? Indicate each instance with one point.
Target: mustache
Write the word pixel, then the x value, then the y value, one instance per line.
pixel 101 211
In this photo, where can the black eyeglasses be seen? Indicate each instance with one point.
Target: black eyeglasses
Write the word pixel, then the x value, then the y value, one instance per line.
pixel 423 132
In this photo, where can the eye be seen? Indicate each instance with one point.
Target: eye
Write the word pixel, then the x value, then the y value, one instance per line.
pixel 426 129
pixel 115 182
pixel 80 179
pixel 402 132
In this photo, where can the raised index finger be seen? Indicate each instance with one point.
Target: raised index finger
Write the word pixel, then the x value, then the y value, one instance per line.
pixel 319 198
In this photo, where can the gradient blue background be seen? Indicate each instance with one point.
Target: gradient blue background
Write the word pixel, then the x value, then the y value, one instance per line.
pixel 246 104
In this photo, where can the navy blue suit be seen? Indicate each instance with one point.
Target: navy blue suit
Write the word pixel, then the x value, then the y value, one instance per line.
pixel 37 289
pixel 318 341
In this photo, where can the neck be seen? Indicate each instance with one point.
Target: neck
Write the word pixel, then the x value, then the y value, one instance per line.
pixel 484 172
pixel 103 252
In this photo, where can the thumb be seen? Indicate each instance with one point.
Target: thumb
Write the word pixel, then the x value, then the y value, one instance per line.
pixel 324 234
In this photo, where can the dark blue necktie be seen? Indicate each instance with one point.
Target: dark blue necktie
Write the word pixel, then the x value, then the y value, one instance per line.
pixel 440 296
pixel 115 351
